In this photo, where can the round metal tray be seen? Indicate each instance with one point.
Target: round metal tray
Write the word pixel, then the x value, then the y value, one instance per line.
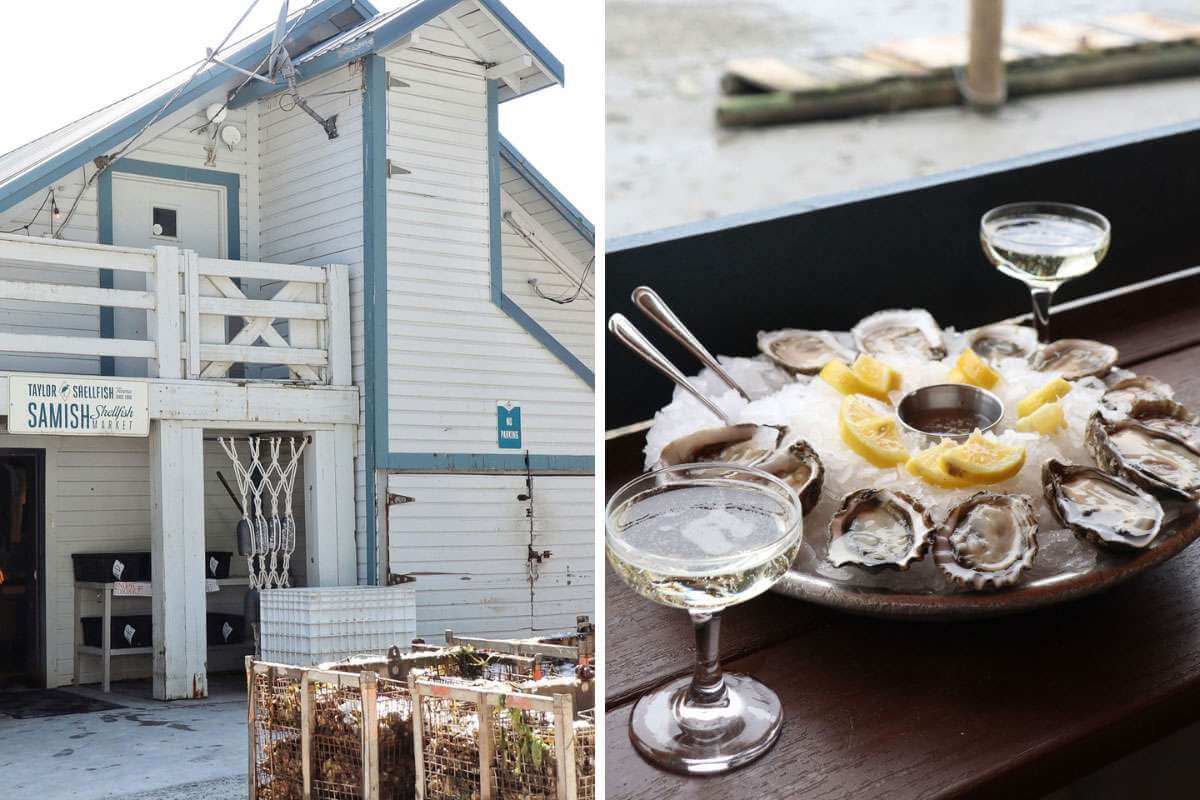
pixel 1066 569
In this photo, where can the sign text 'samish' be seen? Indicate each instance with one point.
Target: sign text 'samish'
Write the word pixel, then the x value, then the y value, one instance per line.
pixel 77 406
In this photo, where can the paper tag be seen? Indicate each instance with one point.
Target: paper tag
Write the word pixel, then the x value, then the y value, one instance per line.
pixel 226 631
pixel 129 632
pixel 118 568
pixel 212 565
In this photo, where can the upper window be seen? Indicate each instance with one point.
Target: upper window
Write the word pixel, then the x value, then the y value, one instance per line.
pixel 165 223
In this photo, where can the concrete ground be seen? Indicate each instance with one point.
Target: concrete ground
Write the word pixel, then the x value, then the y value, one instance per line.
pixel 668 163
pixel 183 750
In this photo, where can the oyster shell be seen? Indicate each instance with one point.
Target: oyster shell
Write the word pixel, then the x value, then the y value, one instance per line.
pixel 747 445
pixel 799 465
pixel 1004 340
pixel 1119 398
pixel 1075 358
pixel 898 332
pixel 1103 509
pixel 877 528
pixel 1152 459
pixel 804 352
pixel 987 540
pixel 1164 414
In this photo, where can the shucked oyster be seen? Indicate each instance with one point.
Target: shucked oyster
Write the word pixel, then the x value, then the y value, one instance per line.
pixel 1163 414
pixel 800 466
pixel 987 540
pixel 746 445
pixel 1003 340
pixel 878 528
pixel 1152 459
pixel 1103 509
pixel 804 352
pixel 1119 398
pixel 1075 358
pixel 897 332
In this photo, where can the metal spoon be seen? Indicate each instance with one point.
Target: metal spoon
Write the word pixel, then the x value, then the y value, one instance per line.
pixel 656 309
pixel 632 338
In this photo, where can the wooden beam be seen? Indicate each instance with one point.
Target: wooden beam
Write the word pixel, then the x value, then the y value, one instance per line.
pixel 261 270
pixel 279 309
pixel 568 263
pixel 984 82
pixel 509 68
pixel 76 345
pixel 81 255
pixel 329 508
pixel 337 329
pixel 165 324
pixel 78 295
pixel 469 39
pixel 263 355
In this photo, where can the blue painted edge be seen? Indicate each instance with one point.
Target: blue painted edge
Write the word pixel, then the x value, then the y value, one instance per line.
pixel 104 201
pixel 374 287
pixel 540 182
pixel 687 230
pixel 488 462
pixel 496 254
pixel 402 23
pixel 107 139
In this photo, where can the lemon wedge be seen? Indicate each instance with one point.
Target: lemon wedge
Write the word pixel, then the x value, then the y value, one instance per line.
pixel 927 466
pixel 1046 420
pixel 872 431
pixel 1039 397
pixel 975 370
pixel 877 376
pixel 838 375
pixel 956 376
pixel 980 460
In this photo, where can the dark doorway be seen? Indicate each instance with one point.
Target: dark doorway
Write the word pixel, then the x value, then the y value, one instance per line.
pixel 22 553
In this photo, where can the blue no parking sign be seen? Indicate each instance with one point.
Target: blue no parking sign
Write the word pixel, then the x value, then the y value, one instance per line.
pixel 508 425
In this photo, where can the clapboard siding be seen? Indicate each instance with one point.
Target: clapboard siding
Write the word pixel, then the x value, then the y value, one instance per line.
pixel 98 500
pixel 452 353
pixel 174 141
pixel 472 530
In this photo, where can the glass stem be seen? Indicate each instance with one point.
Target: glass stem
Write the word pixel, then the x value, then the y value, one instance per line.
pixel 1041 312
pixel 708 682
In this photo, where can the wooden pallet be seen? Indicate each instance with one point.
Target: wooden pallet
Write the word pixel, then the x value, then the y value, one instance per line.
pixel 921 73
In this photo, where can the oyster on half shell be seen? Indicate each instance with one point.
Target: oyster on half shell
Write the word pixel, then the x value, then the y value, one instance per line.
pixel 1103 509
pixel 1119 398
pixel 800 467
pixel 987 540
pixel 900 332
pixel 1003 340
pixel 1152 459
pixel 1168 416
pixel 804 352
pixel 1075 358
pixel 878 529
pixel 746 445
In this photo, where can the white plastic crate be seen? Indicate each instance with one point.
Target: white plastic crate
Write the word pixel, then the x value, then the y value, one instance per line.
pixel 309 626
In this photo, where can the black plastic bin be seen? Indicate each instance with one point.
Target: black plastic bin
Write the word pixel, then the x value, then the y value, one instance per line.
pixel 226 628
pixel 216 564
pixel 111 567
pixel 128 630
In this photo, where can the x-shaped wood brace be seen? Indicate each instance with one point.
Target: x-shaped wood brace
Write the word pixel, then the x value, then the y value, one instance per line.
pixel 256 327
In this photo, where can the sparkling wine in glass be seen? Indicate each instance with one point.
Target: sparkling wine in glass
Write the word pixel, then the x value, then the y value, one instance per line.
pixel 1044 245
pixel 703 537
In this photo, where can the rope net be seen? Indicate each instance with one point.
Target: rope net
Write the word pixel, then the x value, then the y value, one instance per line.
pixel 265 481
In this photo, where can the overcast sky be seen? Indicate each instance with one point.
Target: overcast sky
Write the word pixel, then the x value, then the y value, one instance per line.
pixel 65 58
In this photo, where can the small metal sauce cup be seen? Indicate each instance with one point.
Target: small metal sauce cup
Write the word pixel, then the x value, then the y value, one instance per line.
pixel 949 397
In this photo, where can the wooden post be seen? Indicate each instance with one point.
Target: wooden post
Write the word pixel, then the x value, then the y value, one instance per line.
pixel 337 326
pixel 487 747
pixel 564 744
pixel 306 734
pixel 177 560
pixel 191 290
pixel 418 727
pixel 251 731
pixel 369 686
pixel 106 636
pixel 165 322
pixel 984 85
pixel 329 508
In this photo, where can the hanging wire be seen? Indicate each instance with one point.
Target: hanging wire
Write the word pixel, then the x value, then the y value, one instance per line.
pixel 25 228
pixel 562 299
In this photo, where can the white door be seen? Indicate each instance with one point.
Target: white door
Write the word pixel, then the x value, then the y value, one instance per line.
pixel 149 212
pixel 479 568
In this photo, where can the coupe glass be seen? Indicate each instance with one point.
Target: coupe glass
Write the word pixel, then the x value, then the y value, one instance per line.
pixel 703 537
pixel 1044 245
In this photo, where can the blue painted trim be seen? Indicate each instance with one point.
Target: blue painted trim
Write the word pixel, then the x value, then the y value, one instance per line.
pixel 110 137
pixel 503 301
pixel 398 26
pixel 375 111
pixel 104 202
pixel 488 462
pixel 540 182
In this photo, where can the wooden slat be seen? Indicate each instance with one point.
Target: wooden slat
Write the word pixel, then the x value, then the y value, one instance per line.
pixel 233 307
pixel 261 355
pixel 77 255
pixel 262 271
pixel 75 345
pixel 78 295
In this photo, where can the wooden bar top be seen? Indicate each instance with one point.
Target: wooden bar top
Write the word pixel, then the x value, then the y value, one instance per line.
pixel 1006 708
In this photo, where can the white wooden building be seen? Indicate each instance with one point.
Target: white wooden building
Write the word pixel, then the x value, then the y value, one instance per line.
pixel 371 291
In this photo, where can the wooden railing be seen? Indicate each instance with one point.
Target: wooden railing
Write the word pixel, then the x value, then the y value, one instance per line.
pixel 189 301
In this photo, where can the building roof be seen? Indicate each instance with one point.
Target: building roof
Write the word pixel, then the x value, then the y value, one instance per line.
pixel 543 185
pixel 326 34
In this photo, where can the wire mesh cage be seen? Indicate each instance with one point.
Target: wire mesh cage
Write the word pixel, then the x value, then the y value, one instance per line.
pixel 524 763
pixel 276 771
pixel 585 756
pixel 336 741
pixel 449 748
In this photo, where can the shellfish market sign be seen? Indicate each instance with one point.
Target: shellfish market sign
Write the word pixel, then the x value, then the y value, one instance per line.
pixel 77 406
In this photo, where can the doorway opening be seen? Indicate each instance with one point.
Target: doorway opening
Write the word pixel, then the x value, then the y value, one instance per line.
pixel 22 556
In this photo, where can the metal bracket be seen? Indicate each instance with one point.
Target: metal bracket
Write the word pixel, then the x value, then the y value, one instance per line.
pixel 394 169
pixel 399 499
pixel 395 83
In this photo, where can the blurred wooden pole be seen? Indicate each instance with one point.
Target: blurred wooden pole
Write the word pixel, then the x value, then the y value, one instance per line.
pixel 984 85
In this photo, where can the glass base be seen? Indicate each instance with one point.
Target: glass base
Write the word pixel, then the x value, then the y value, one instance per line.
pixel 716 738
